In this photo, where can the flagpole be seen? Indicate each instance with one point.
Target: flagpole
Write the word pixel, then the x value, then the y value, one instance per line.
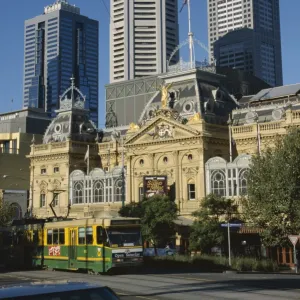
pixel 230 143
pixel 190 34
pixel 229 123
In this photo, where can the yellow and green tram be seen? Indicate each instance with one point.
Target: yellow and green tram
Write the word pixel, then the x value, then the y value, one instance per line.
pixel 95 245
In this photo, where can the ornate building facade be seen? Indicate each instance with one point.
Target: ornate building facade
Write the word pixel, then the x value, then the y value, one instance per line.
pixel 254 126
pixel 167 141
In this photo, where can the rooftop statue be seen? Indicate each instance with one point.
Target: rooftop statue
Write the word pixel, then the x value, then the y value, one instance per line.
pixel 165 95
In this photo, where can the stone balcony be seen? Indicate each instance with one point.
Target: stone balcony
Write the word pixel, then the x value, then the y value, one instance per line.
pixel 273 128
pixel 62 147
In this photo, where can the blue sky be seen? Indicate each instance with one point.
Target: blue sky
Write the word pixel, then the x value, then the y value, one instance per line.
pixel 13 13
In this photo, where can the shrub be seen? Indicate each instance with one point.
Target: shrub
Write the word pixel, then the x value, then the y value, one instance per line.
pixel 253 264
pixel 211 263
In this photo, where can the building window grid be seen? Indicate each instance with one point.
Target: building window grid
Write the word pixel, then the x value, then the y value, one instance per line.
pixel 97 190
pixel 228 182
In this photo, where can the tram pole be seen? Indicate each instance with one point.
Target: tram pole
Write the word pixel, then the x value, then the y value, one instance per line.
pixel 123 175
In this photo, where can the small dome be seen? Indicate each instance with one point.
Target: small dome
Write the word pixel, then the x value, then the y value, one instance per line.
pixel 72 120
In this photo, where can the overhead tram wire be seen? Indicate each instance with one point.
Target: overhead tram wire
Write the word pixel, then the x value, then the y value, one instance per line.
pixel 108 12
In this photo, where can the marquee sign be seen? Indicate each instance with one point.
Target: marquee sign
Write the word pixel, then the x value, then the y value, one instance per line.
pixel 155 185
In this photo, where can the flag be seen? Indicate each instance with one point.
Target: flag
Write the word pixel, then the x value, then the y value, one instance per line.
pixel 87 154
pixel 183 4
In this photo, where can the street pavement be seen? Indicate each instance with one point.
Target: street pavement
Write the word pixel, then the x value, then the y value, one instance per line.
pixel 183 286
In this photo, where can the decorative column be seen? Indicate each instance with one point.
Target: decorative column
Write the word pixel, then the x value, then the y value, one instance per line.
pixel 129 176
pixel 177 185
pixel 151 160
pixel 201 177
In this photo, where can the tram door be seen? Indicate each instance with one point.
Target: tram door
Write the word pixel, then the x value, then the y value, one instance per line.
pixel 72 248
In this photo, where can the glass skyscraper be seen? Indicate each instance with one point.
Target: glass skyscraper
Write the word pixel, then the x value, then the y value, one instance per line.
pixel 245 34
pixel 60 44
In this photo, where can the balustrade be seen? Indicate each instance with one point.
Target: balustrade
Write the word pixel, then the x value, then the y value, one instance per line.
pixel 242 129
pixel 270 126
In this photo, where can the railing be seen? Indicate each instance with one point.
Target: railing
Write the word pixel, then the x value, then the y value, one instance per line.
pixel 40 147
pixel 58 145
pixel 185 66
pixel 270 126
pixel 242 129
pixel 296 114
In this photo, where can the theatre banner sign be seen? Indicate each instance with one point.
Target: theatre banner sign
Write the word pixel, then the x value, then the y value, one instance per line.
pixel 155 185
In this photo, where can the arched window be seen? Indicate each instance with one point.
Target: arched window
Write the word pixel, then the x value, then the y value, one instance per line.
pixel 98 191
pixel 78 192
pixel 118 190
pixel 243 174
pixel 218 183
pixel 16 211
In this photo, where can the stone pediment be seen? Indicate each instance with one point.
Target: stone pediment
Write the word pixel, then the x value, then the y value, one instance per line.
pixel 162 129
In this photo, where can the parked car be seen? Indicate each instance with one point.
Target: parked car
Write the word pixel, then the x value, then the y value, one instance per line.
pixel 57 291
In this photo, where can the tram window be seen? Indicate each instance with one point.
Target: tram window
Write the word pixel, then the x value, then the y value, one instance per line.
pixel 55 236
pixel 49 236
pixel 85 235
pixel 101 235
pixel 89 235
pixel 61 233
pixel 81 236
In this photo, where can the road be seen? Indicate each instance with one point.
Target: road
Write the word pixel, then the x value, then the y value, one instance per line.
pixel 189 286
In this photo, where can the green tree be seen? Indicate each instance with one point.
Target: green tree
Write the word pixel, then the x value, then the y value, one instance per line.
pixel 6 213
pixel 157 214
pixel 132 210
pixel 206 231
pixel 273 201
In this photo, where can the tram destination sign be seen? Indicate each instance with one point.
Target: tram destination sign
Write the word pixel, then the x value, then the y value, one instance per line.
pixel 155 185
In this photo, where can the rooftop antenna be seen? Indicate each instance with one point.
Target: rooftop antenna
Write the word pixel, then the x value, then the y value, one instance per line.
pixel 190 33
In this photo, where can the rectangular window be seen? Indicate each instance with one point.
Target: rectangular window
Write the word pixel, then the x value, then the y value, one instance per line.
pixel 43 171
pixel 55 199
pixel 42 200
pixel 55 236
pixel 101 236
pixel 85 236
pixel 191 191
pixel 89 235
pixel 6 147
pixel 56 170
pixel 49 236
pixel 141 193
pixel 61 236
pixel 81 236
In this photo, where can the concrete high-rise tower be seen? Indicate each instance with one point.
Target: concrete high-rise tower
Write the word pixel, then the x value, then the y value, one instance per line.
pixel 258 49
pixel 143 34
pixel 60 44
